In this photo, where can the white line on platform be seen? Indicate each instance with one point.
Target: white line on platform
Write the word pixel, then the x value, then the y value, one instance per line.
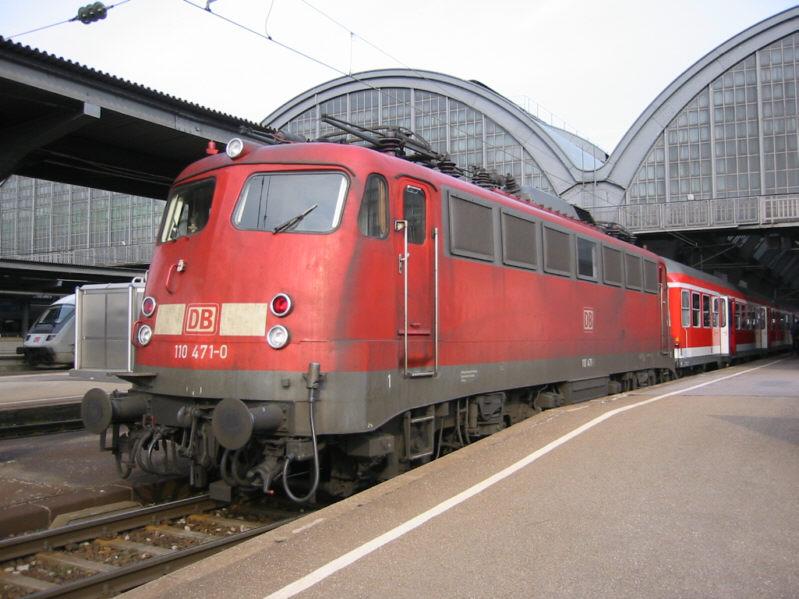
pixel 307 526
pixel 353 556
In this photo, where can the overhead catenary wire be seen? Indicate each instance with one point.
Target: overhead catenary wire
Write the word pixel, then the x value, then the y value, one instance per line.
pixel 420 74
pixel 402 101
pixel 434 83
pixel 268 37
pixel 70 20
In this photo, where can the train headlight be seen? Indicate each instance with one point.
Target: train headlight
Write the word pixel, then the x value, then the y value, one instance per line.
pixel 148 306
pixel 234 148
pixel 144 334
pixel 281 305
pixel 277 337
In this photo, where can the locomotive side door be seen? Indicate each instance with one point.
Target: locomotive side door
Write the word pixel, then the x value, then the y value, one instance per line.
pixel 665 332
pixel 415 241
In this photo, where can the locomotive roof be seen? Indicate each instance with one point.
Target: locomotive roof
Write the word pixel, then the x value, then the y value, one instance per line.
pixel 342 155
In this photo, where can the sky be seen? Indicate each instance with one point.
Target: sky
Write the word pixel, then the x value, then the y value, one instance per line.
pixel 590 66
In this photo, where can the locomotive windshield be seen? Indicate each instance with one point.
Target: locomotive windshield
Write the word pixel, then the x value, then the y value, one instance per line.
pixel 292 202
pixel 187 210
pixel 53 319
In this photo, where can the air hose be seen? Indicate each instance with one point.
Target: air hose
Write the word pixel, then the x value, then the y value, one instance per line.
pixel 312 380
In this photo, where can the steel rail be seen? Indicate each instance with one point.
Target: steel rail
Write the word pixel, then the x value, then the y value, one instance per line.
pixel 127 577
pixel 77 532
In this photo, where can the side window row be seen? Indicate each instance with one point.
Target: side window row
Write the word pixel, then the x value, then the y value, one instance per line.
pixel 749 317
pixel 696 310
pixel 472 235
pixel 472 232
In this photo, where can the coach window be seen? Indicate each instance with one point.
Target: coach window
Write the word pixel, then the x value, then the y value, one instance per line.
pixel 685 304
pixel 722 314
pixel 737 317
pixel 632 269
pixel 373 215
pixel 705 311
pixel 715 313
pixel 612 270
pixel 557 252
pixel 413 211
pixel 695 309
pixel 471 228
pixel 586 259
pixel 519 242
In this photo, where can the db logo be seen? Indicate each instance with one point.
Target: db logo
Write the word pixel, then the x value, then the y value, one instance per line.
pixel 588 319
pixel 201 318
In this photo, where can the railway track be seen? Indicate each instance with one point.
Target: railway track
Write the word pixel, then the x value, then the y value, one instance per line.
pixel 106 555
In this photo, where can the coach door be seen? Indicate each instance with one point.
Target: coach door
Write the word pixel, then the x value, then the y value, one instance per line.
pixel 762 328
pixel 715 323
pixel 415 241
pixel 724 325
pixel 733 317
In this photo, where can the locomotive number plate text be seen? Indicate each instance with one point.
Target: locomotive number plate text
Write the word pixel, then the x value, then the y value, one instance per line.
pixel 201 351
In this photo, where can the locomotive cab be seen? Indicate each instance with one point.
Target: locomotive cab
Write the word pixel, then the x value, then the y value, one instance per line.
pixel 250 289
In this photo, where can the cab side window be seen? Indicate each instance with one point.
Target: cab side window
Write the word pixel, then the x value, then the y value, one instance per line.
pixel 373 215
pixel 413 211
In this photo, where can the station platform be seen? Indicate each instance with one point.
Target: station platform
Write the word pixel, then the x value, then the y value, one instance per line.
pixel 683 489
pixel 43 478
pixel 49 387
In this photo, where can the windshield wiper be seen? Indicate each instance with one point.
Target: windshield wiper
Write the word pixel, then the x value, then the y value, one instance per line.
pixel 294 220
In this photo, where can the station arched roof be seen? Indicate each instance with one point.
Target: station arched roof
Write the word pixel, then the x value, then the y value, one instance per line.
pixel 633 148
pixel 560 154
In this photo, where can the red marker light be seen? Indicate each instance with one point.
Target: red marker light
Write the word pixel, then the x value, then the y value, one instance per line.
pixel 211 148
pixel 148 306
pixel 280 305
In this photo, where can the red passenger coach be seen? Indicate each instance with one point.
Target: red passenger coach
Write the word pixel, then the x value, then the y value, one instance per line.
pixel 714 322
pixel 702 309
pixel 332 309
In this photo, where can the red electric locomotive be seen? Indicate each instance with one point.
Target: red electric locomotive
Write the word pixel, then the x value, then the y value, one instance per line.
pixel 335 310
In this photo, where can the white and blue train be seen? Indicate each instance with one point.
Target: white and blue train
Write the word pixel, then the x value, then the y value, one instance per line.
pixel 51 339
